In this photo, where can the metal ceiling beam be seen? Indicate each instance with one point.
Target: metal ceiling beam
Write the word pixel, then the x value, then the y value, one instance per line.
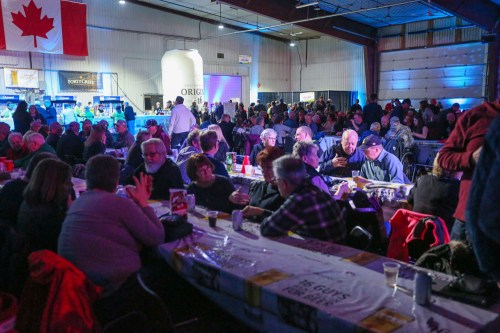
pixel 200 18
pixel 482 13
pixel 285 11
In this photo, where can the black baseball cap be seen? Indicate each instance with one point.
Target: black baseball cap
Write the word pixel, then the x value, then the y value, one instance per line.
pixel 370 141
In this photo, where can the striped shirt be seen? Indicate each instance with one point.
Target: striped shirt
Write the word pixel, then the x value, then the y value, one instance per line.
pixel 309 212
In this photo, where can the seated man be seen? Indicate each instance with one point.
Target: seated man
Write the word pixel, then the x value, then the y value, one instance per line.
pixel 399 131
pixel 70 146
pixel 165 173
pixel 307 152
pixel 35 143
pixel 103 235
pixel 380 164
pixel 340 160
pixel 55 131
pixel 17 149
pixel 193 147
pixel 307 211
pixel 4 134
pixel 124 138
pixel 304 133
pixel 210 144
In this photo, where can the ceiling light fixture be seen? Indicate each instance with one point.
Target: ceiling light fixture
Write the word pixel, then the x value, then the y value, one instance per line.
pixel 221 26
pixel 292 43
pixel 303 5
pixel 121 2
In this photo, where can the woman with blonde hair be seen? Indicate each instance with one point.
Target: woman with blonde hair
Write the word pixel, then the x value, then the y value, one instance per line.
pixel 220 155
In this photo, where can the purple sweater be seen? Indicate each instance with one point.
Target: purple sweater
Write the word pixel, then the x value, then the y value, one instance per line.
pixel 103 234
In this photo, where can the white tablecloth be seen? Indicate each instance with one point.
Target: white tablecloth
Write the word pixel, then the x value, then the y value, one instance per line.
pixel 296 285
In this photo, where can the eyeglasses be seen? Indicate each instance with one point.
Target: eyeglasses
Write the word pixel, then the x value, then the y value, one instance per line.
pixel 150 154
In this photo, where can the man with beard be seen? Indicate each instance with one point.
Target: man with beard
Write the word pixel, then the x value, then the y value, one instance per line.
pixel 166 174
pixel 340 160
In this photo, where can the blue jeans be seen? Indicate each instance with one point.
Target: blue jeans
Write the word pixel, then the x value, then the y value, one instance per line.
pixel 458 231
pixel 178 139
pixel 131 126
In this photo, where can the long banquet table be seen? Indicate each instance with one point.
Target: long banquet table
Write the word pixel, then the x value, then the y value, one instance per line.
pixel 291 284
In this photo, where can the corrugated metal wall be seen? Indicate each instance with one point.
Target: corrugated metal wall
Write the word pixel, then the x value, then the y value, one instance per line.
pixel 452 74
pixel 126 44
pixel 328 63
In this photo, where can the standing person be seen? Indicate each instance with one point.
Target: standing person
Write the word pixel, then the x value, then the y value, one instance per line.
pixel 181 121
pixel 130 118
pixel 227 129
pixel 372 111
pixel 461 153
pixel 22 119
pixel 50 112
pixel 118 114
pixel 195 112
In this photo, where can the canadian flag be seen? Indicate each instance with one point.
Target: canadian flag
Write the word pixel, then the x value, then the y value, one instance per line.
pixel 48 26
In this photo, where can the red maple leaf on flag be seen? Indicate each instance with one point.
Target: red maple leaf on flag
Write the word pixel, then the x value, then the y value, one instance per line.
pixel 33 24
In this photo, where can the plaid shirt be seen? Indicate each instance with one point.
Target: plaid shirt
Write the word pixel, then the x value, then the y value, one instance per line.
pixel 309 212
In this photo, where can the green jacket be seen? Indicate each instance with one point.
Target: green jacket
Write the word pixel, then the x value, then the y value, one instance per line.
pixel 25 161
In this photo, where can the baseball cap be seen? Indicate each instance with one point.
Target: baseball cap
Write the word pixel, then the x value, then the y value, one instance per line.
pixel 370 141
pixel 394 119
pixel 151 122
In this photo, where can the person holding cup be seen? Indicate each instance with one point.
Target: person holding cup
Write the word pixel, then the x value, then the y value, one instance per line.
pixel 213 191
pixel 341 160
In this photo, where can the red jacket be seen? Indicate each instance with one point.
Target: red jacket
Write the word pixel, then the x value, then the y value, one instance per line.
pixel 56 298
pixel 403 225
pixel 467 136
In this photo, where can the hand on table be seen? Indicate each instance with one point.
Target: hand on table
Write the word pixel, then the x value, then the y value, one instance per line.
pixel 239 198
pixel 141 192
pixel 339 162
pixel 250 211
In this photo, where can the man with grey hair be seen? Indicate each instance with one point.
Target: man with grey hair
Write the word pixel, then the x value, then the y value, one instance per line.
pixel 268 139
pixel 340 160
pixel 124 138
pixel 17 149
pixel 165 173
pixel 308 153
pixel 35 143
pixel 307 211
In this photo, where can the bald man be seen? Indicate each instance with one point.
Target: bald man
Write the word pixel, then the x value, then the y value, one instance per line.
pixel 340 160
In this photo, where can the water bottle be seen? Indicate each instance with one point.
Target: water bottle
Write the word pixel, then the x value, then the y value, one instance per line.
pixel 229 162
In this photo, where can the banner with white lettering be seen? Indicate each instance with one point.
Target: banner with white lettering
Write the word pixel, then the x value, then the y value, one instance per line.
pixel 79 81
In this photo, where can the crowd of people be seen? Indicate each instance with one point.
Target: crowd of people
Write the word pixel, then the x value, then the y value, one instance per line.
pixel 41 207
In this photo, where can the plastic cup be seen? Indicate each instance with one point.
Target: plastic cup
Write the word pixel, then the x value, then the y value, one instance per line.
pixel 248 170
pixel 191 202
pixel 212 218
pixel 391 271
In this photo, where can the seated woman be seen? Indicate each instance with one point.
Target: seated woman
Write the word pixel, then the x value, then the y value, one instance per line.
pixel 268 139
pixel 46 200
pixel 220 155
pixel 212 191
pixel 96 143
pixel 436 194
pixel 264 195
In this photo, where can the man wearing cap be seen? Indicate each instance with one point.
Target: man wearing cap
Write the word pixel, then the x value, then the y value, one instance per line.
pixel 399 131
pixel 157 132
pixel 181 122
pixel 340 160
pixel 124 138
pixel 380 164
